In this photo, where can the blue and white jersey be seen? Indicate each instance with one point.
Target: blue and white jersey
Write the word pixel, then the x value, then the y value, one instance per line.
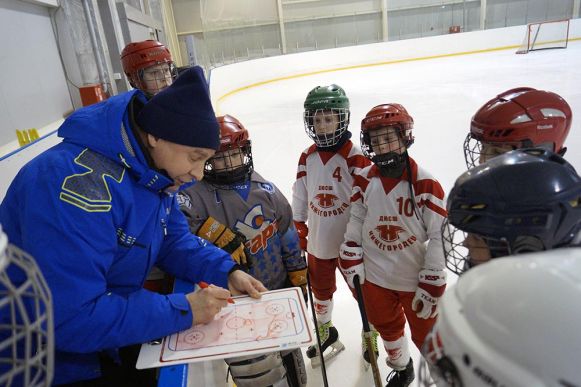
pixel 259 211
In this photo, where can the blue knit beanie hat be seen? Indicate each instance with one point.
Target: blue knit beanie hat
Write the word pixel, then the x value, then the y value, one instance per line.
pixel 183 113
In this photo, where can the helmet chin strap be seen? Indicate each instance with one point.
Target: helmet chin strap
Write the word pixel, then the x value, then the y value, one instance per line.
pixel 230 179
pixel 391 164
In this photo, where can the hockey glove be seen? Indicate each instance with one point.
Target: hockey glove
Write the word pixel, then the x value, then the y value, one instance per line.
pixel 302 231
pixel 351 262
pixel 226 239
pixel 299 278
pixel 430 288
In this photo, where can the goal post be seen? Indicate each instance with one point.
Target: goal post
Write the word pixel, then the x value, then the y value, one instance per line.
pixel 545 35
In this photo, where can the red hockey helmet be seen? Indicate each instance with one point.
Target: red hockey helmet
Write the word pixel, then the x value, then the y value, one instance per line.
pixel 519 118
pixel 391 114
pixel 228 167
pixel 138 56
pixel 232 133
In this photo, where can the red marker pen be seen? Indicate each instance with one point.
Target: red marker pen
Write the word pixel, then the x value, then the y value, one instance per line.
pixel 204 285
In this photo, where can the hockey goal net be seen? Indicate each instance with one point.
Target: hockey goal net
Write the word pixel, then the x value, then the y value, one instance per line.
pixel 545 35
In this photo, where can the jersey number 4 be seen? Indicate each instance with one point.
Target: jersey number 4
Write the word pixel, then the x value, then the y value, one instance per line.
pixel 337 174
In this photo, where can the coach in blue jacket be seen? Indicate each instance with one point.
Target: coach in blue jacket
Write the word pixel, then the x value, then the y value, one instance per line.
pixel 98 211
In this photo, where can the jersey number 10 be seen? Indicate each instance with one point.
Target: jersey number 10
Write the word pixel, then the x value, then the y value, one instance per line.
pixel 405 206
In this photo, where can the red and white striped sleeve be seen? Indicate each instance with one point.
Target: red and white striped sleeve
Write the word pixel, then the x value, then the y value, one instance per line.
pixel 300 193
pixel 430 198
pixel 358 210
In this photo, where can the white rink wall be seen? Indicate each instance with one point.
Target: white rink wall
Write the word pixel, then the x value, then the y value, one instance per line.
pixel 231 78
pixel 441 81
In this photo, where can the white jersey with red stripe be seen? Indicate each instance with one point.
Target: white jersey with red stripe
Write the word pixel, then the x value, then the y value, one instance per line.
pixel 321 195
pixel 391 231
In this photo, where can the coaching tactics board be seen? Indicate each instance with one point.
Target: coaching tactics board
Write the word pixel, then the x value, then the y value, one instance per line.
pixel 275 322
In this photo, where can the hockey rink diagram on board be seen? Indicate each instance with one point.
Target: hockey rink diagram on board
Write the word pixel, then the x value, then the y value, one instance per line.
pixel 277 321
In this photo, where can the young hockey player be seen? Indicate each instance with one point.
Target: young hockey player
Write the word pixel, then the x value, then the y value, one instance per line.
pixel 233 205
pixel 148 66
pixel 518 118
pixel 321 200
pixel 525 200
pixel 393 240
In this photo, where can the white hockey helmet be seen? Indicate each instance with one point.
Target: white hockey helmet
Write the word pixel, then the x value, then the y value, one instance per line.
pixel 511 322
pixel 26 322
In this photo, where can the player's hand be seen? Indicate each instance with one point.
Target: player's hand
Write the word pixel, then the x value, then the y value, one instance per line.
pixel 431 286
pixel 206 303
pixel 240 254
pixel 351 262
pixel 240 282
pixel 230 241
pixel 302 231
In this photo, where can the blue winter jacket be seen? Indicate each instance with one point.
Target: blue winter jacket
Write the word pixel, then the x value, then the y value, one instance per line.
pixel 96 218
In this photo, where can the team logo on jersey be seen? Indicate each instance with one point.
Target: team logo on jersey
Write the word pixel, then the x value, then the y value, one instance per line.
pixel 183 200
pixel 327 204
pixel 326 200
pixel 389 236
pixel 389 232
pixel 257 229
pixel 266 187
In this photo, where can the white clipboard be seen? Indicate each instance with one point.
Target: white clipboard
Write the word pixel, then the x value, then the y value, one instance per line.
pixel 278 321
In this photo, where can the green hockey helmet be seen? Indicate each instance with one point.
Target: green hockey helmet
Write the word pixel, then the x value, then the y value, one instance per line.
pixel 326 115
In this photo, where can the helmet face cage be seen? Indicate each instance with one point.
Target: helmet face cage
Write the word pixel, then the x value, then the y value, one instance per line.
pixel 472 151
pixel 377 129
pixel 326 126
pixel 231 165
pixel 26 320
pixel 156 77
pixel 463 250
pixel 137 57
pixel 477 152
pixel 373 140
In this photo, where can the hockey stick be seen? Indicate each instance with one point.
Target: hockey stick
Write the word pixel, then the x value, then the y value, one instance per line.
pixel 323 368
pixel 367 333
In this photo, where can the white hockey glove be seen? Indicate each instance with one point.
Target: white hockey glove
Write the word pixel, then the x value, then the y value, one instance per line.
pixel 351 262
pixel 430 288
